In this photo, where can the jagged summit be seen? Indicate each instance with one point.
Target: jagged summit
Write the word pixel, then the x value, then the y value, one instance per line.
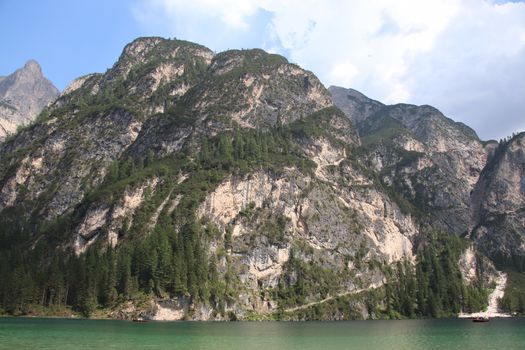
pixel 23 94
pixel 33 66
pixel 356 106
pixel 359 107
pixel 141 47
pixel 143 50
pixel 258 89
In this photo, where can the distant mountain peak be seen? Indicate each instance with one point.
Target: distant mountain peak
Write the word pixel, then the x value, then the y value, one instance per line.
pixel 33 66
pixel 354 104
pixel 23 95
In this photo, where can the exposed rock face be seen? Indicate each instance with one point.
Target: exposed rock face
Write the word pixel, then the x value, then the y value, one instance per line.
pixel 111 221
pixel 67 162
pixel 354 104
pixel 23 95
pixel 498 212
pixel 76 84
pixel 477 268
pixel 258 89
pixel 330 218
pixel 76 146
pixel 269 91
pixel 442 167
pixel 430 160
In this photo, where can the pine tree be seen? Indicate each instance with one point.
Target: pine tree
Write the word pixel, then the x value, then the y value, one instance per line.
pixel 110 281
pixel 213 277
pixel 124 283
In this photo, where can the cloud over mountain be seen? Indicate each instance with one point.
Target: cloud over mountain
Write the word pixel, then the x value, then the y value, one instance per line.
pixel 466 57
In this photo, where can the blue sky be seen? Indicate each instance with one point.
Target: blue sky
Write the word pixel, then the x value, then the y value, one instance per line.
pixel 465 57
pixel 68 38
pixel 73 38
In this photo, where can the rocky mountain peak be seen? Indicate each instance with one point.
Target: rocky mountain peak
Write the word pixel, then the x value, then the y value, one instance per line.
pixel 407 141
pixel 33 66
pixel 140 47
pixel 354 104
pixel 255 60
pixel 147 49
pixel 146 64
pixel 150 74
pixel 23 95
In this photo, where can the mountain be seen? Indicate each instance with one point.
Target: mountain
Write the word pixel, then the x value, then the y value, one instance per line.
pixel 498 211
pixel 354 104
pixel 428 159
pixel 183 184
pixel 23 95
pixel 434 162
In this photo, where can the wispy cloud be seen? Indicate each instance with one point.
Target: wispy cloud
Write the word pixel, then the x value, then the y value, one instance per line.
pixel 466 57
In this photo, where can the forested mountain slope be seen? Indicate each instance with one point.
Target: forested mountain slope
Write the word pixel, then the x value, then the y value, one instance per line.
pixel 187 184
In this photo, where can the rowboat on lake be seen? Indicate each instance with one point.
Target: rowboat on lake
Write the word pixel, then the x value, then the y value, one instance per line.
pixel 480 319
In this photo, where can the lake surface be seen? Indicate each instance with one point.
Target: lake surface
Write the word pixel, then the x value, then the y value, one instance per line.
pixel 28 333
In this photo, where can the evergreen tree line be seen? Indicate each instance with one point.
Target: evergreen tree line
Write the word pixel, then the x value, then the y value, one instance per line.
pixel 434 286
pixel 514 299
pixel 166 263
pixel 241 151
pixel 431 287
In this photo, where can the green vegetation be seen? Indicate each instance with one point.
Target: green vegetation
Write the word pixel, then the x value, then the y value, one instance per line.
pixel 168 259
pixel 499 151
pixel 346 307
pixel 241 151
pixel 514 299
pixel 433 287
pixel 381 128
pixel 328 123
pixel 301 280
pixel 250 61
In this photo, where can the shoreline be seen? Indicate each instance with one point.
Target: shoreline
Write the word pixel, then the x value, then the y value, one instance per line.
pixel 460 316
pixel 492 310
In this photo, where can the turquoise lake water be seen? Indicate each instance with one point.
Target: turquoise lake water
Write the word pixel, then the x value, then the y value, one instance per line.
pixel 29 333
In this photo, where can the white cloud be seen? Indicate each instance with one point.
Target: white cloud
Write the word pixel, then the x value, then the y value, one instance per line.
pixel 232 13
pixel 476 70
pixel 344 72
pixel 377 38
pixel 466 57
